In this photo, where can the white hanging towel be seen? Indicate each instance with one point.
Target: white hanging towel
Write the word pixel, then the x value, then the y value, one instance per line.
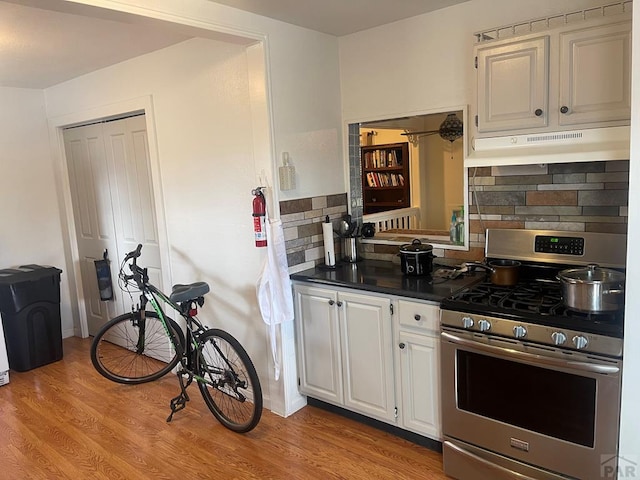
pixel 274 287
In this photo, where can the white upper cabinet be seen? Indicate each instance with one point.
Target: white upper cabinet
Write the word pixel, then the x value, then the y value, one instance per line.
pixel 513 86
pixel 595 74
pixel 570 77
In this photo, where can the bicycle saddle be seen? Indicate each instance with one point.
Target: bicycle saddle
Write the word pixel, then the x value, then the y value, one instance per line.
pixel 184 293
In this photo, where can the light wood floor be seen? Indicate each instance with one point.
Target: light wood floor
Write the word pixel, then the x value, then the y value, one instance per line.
pixel 64 420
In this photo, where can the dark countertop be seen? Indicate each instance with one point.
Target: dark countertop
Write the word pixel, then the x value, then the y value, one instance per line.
pixel 386 277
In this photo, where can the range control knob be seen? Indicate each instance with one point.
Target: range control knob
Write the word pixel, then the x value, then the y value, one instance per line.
pixel 558 338
pixel 519 331
pixel 484 325
pixel 580 342
pixel 467 322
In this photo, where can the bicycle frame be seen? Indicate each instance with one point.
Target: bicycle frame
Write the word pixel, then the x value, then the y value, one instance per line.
pixel 149 293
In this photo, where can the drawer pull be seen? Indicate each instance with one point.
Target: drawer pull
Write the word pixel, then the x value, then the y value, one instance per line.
pixel 402 345
pixel 331 302
pixel 417 317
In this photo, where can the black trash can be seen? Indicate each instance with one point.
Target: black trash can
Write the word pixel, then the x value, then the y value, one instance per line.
pixel 30 309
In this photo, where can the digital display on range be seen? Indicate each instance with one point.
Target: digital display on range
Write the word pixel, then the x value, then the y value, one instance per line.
pixel 559 245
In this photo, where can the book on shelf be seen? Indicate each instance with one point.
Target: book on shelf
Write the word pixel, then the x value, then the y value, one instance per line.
pixel 381 159
pixel 378 179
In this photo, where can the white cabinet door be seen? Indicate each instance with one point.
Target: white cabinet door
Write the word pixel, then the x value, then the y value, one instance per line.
pixel 513 85
pixel 317 331
pixel 420 379
pixel 367 354
pixel 595 74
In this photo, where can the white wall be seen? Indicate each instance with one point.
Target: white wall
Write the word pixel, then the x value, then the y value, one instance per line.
pixel 29 214
pixel 304 84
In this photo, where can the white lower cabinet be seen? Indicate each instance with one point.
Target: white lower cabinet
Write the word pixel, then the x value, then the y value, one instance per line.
pixel 318 339
pixel 418 334
pixel 367 354
pixel 355 353
pixel 345 352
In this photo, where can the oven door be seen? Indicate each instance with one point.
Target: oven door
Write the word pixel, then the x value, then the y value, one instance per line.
pixel 540 406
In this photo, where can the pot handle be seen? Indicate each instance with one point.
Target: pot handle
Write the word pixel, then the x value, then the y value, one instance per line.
pixel 613 291
pixel 478 264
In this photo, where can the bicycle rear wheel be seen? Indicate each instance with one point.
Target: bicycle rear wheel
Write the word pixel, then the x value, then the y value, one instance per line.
pixel 231 388
pixel 128 350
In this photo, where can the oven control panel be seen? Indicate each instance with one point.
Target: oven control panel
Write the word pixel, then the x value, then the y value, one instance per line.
pixel 520 331
pixel 561 245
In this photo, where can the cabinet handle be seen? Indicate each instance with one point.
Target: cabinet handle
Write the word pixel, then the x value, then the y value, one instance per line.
pixel 538 112
pixel 339 304
pixel 331 302
pixel 417 317
pixel 564 109
pixel 402 345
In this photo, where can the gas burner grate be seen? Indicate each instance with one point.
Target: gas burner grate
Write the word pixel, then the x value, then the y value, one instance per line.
pixel 543 298
pixel 534 300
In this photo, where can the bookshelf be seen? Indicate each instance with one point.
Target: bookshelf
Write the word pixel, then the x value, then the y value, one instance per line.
pixel 385 177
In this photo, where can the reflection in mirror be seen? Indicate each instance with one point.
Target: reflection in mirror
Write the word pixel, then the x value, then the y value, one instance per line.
pixel 408 177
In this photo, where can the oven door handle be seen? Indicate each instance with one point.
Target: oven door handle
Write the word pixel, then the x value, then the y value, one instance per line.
pixel 531 357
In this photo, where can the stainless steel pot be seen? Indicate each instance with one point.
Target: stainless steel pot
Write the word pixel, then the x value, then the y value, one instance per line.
pixel 592 289
pixel 416 258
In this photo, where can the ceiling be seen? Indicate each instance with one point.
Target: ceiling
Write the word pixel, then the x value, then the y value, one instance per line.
pixel 43 42
pixel 339 17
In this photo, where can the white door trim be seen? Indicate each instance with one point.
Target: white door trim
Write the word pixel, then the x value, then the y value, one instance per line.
pixel 56 124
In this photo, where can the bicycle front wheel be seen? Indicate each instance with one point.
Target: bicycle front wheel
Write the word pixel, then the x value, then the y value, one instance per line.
pixel 231 388
pixel 131 351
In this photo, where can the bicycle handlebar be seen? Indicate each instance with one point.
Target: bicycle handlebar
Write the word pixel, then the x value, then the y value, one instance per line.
pixel 139 274
pixel 134 254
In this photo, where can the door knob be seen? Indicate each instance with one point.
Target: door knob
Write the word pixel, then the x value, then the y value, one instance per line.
pixel 402 345
pixel 564 109
pixel 538 112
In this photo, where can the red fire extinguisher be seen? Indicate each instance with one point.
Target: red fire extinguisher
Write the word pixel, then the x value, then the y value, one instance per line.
pixel 259 217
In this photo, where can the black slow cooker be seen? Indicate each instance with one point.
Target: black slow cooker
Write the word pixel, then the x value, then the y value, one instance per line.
pixel 416 258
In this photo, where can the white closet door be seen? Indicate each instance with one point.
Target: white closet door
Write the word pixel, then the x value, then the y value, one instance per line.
pixel 134 213
pixel 91 198
pixel 113 206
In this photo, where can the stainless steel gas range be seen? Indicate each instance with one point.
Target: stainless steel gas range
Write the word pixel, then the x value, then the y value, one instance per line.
pixel 531 388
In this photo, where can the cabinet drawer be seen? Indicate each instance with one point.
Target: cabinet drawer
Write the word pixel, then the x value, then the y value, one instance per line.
pixel 419 315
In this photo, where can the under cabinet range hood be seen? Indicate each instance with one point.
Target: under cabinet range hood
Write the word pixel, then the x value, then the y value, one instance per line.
pixel 607 143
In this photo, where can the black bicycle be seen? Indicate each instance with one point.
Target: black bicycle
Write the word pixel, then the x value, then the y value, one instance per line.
pixel 142 346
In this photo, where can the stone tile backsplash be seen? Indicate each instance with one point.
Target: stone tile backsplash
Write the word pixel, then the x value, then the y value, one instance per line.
pixel 589 196
pixel 302 224
pixel 581 197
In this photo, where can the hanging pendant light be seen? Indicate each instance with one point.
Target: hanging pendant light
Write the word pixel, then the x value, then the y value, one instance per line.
pixel 451 128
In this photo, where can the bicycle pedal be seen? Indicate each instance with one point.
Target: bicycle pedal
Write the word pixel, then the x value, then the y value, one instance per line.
pixel 177 404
